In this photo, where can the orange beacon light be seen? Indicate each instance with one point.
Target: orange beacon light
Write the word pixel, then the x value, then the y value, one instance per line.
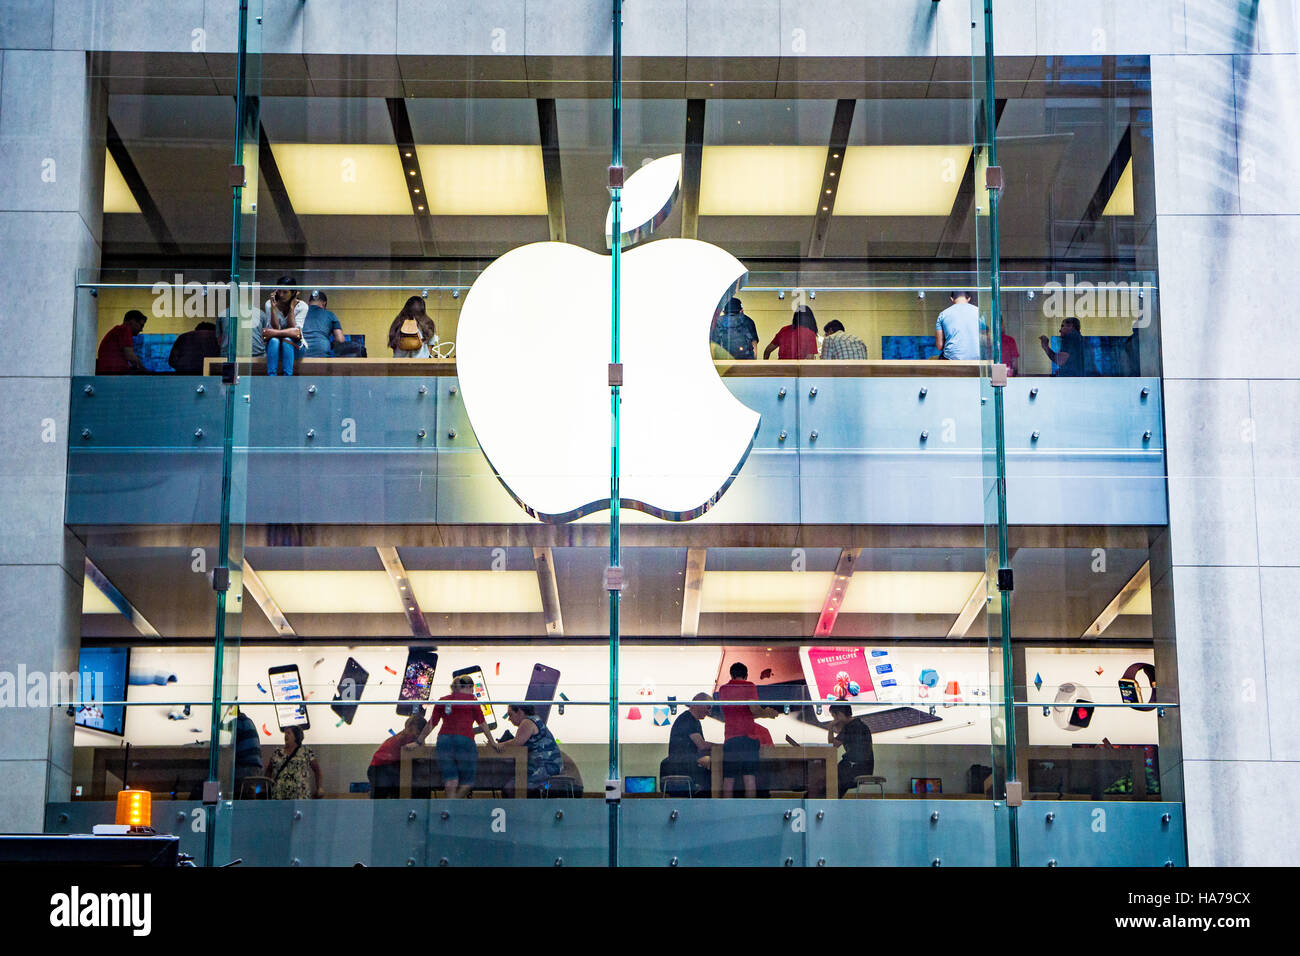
pixel 134 808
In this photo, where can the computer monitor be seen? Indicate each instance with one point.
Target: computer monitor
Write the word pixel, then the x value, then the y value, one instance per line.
pixel 638 784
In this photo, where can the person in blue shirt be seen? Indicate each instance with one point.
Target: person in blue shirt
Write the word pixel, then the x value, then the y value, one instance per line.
pixel 957 331
pixel 320 327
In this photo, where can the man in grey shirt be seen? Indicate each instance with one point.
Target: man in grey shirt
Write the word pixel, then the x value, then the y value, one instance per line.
pixel 957 332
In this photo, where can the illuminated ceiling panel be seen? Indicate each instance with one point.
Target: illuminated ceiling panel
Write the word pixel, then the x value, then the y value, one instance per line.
pixel 763 592
pixel 761 180
pixel 477 592
pixel 484 180
pixel 869 592
pixel 900 180
pixel 343 179
pixel 372 592
pixel 1121 200
pixel 332 592
pixel 909 592
pixel 117 195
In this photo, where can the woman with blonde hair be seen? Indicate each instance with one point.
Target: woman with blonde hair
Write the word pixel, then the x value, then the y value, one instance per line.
pixel 412 332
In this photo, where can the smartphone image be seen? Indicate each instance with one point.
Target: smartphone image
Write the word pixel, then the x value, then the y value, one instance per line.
pixel 542 687
pixel 480 692
pixel 351 684
pixel 286 691
pixel 417 680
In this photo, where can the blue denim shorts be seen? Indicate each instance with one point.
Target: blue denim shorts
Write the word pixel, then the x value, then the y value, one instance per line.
pixel 457 759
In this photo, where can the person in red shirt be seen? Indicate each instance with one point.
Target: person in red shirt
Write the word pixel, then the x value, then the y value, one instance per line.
pixel 741 734
pixel 1010 355
pixel 117 351
pixel 385 766
pixel 798 340
pixel 457 755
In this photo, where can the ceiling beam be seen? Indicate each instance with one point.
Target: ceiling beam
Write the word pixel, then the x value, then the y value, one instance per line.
pixel 692 164
pixel 830 188
pixel 268 172
pixel 405 593
pixel 977 600
pixel 548 131
pixel 691 590
pixel 411 172
pixel 1105 189
pixel 1111 611
pixel 140 192
pixel 581 535
pixel 119 601
pixel 955 230
pixel 549 590
pixel 257 589
pixel 835 594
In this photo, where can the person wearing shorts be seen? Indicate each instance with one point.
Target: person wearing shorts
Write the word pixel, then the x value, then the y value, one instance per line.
pixel 741 743
pixel 457 755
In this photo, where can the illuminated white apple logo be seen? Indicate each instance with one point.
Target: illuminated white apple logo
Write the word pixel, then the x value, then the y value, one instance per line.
pixel 533 350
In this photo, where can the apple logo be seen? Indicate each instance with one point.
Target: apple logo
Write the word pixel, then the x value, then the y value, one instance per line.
pixel 533 349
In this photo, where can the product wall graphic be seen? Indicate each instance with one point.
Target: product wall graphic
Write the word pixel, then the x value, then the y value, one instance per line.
pixel 533 357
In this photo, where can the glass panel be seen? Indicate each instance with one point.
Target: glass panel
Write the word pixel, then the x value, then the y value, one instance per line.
pixel 828 508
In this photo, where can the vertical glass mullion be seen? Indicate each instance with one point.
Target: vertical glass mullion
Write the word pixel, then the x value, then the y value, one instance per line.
pixel 615 545
pixel 1002 684
pixel 230 540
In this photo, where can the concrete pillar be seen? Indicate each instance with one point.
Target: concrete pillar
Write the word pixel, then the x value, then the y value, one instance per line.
pixel 1228 225
pixel 51 150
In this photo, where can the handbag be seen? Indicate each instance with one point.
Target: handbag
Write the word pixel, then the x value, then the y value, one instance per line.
pixel 408 336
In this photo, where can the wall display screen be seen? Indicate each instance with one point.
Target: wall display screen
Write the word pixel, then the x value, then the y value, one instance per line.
pixel 103 676
pixel 1070 684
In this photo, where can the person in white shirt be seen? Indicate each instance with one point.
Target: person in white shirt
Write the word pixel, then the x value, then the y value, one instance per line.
pixel 282 331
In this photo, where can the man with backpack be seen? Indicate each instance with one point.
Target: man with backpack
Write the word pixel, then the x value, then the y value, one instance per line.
pixel 735 332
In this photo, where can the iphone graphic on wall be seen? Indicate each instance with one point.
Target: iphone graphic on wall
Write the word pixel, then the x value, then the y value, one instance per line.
pixel 475 674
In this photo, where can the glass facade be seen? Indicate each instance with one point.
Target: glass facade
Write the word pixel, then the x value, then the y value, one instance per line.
pixel 776 454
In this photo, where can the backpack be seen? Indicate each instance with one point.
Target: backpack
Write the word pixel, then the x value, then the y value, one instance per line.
pixel 408 336
pixel 733 335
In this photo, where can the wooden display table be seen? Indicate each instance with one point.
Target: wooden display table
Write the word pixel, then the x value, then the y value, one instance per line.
pixel 487 758
pixel 782 753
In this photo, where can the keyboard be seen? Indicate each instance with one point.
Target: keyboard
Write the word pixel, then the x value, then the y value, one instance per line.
pixel 896 718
